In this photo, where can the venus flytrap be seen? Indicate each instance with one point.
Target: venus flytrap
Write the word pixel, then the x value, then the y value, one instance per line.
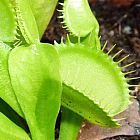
pixel 91 79
pixel 100 71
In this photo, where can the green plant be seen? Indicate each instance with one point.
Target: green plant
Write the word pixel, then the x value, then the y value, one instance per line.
pixel 33 73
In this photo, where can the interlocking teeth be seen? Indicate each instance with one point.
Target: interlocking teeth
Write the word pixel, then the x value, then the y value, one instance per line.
pixel 129 65
pixel 60 17
pixel 129 72
pixel 133 78
pixel 62 22
pixel 60 10
pixel 65 27
pixel 62 4
pixel 121 119
pixel 18 43
pixel 122 59
pixel 68 39
pixel 134 86
pixel 105 45
pixel 117 54
pixel 55 42
pixel 62 40
pixel 111 49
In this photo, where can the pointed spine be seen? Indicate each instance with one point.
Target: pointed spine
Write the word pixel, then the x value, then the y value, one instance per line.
pixel 105 45
pixel 122 59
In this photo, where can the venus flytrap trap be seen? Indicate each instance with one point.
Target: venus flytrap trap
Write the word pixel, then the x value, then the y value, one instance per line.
pixel 94 87
pixel 82 9
pixel 80 94
pixel 87 29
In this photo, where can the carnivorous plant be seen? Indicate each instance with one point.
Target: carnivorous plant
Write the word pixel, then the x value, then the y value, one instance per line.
pixel 37 78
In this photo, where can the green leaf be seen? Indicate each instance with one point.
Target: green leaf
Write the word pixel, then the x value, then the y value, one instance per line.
pixel 70 125
pixel 10 131
pixel 7 21
pixel 43 11
pixel 12 115
pixel 35 77
pixel 94 86
pixel 6 89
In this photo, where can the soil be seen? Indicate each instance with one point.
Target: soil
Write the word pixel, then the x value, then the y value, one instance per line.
pixel 120 25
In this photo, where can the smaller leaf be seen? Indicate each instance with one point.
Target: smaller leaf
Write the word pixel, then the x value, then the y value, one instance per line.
pixel 12 115
pixel 70 125
pixel 10 131
pixel 6 90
